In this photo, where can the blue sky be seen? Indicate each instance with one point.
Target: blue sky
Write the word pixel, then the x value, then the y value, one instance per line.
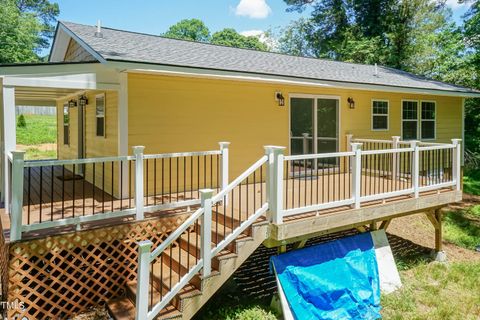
pixel 155 16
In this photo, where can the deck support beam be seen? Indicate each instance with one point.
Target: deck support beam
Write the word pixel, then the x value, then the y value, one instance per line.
pixel 435 218
pixel 385 223
pixel 300 244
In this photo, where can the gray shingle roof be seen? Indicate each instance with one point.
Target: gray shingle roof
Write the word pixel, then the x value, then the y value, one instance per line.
pixel 121 45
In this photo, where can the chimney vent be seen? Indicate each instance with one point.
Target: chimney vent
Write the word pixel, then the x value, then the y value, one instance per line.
pixel 98 33
pixel 376 71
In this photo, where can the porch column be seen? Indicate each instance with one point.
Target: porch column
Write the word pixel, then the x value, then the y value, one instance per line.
pixel 9 138
pixel 122 125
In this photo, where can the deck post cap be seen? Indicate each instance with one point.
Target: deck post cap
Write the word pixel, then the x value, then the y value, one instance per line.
pixel 138 149
pixel 206 193
pixel 224 144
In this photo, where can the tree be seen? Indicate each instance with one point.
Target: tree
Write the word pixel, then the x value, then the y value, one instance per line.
pixel 189 29
pixel 292 39
pixel 230 37
pixel 26 27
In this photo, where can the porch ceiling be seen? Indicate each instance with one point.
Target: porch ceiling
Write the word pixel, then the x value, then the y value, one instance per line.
pixel 33 96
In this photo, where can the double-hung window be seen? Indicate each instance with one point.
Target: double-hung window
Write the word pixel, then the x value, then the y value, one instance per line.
pixel 428 120
pixel 418 123
pixel 66 124
pixel 100 115
pixel 379 115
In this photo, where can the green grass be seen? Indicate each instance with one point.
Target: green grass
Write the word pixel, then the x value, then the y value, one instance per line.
pixel 436 291
pixel 471 181
pixel 463 227
pixel 36 154
pixel 39 129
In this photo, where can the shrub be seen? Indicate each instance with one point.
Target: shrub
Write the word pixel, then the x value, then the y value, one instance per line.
pixel 21 123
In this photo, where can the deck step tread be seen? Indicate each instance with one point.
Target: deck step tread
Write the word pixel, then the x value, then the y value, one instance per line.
pixel 124 309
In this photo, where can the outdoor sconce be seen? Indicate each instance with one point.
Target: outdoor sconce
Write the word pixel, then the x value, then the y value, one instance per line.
pixel 351 103
pixel 72 103
pixel 280 99
pixel 82 101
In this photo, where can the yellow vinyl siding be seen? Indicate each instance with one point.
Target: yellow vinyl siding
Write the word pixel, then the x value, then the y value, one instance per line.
pixel 173 114
pixel 94 146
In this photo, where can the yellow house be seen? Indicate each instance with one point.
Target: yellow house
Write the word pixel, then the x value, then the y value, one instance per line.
pixel 117 90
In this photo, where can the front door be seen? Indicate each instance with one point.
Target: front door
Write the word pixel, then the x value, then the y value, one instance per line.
pixel 313 125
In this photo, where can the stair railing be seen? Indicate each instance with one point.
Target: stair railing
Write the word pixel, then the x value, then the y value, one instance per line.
pixel 231 199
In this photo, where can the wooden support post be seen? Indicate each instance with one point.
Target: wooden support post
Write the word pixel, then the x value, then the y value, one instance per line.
pixel 282 249
pixel 361 229
pixel 438 231
pixel 384 225
pixel 139 192
pixel 300 244
pixel 373 226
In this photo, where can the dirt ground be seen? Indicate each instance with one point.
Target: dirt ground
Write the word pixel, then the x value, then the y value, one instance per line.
pixel 40 147
pixel 418 229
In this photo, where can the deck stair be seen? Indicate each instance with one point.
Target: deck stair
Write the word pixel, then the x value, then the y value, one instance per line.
pixel 234 235
pixel 192 297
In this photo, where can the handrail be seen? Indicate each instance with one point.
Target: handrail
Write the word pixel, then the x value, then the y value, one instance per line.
pixel 239 179
pixel 386 151
pixel 178 232
pixel 371 140
pixel 437 147
pixel 48 163
pixel 181 154
pixel 319 155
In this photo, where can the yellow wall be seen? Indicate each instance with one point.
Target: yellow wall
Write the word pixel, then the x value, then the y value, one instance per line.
pixel 172 114
pixel 94 146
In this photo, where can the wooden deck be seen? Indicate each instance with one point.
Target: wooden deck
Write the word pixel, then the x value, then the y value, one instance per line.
pixel 51 198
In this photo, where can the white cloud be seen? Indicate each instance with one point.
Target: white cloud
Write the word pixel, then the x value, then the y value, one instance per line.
pixel 257 9
pixel 254 33
pixel 269 41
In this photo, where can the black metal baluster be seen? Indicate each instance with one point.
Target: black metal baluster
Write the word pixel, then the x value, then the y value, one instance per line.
pixel 73 191
pixel 93 187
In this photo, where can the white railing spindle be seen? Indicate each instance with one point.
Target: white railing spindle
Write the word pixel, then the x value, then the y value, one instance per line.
pixel 139 201
pixel 16 213
pixel 356 173
pixel 395 144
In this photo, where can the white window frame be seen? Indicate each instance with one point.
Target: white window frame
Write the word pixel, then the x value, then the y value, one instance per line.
pixel 434 120
pixel 102 95
pixel 401 111
pixel 380 114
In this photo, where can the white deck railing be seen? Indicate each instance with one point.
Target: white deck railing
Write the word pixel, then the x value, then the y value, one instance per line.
pixel 56 193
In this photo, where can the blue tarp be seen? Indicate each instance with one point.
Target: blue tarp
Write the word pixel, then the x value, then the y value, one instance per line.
pixel 334 280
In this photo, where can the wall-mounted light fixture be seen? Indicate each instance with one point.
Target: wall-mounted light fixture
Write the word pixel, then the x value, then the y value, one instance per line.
pixel 280 99
pixel 82 101
pixel 351 103
pixel 72 103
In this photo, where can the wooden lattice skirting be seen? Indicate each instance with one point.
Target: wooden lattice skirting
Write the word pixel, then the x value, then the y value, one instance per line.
pixel 58 276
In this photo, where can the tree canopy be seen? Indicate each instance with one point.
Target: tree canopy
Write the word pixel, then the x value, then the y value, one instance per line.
pixel 196 30
pixel 26 27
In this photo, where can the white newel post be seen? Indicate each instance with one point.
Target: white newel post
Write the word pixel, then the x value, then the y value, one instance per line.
pixel 395 145
pixel 349 142
pixel 224 167
pixel 356 173
pixel 139 207
pixel 305 143
pixel 457 164
pixel 143 281
pixel 415 168
pixel 206 231
pixel 16 212
pixel 274 182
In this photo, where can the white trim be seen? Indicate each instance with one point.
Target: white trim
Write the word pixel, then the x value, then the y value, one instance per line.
pixel 73 81
pixel 380 115
pixel 463 131
pixel 143 68
pixel 434 121
pixel 314 137
pixel 402 120
pixel 100 95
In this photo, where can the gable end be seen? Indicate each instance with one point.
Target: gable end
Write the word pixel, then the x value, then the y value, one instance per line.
pixel 76 53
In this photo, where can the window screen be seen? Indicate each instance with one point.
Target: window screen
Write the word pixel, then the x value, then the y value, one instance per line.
pixel 100 115
pixel 379 115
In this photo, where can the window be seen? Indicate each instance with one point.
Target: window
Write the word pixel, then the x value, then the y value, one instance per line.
pixel 379 115
pixel 409 120
pixel 100 115
pixel 66 124
pixel 428 120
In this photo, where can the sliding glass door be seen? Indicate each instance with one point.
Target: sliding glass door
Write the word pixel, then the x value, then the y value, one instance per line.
pixel 313 125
